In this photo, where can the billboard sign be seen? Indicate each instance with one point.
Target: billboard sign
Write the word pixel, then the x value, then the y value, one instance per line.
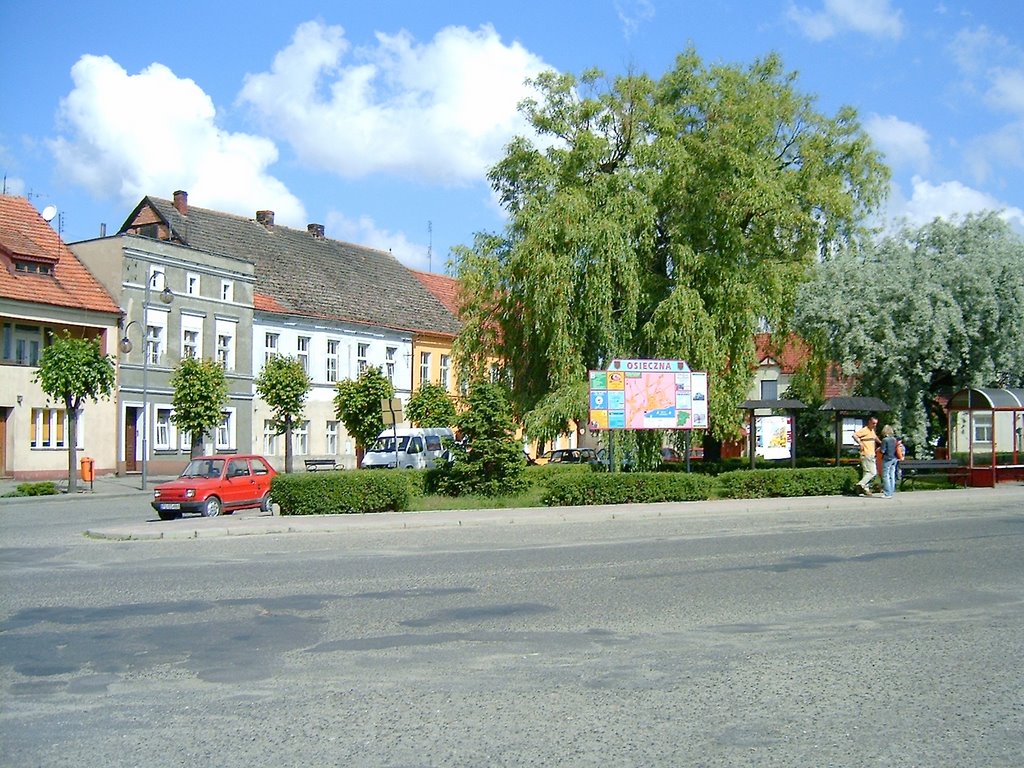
pixel 648 394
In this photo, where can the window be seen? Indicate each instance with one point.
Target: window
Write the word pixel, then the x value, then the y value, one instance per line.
pixel 227 290
pixel 191 336
pixel 332 438
pixel 495 373
pixel 332 359
pixel 48 429
pixel 33 267
pixel 192 284
pixel 424 368
pixel 982 427
pixel 163 439
pixel 270 342
pixel 157 278
pixel 389 355
pixel 302 347
pixel 269 438
pixel 23 343
pixel 445 367
pixel 770 389
pixel 226 431
pixel 226 344
pixel 362 350
pixel 238 468
pixel 156 336
pixel 300 438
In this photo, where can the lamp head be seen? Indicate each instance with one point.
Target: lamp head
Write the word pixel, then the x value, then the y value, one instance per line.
pixel 166 295
pixel 126 345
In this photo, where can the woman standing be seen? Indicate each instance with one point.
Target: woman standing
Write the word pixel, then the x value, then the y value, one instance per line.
pixel 889 460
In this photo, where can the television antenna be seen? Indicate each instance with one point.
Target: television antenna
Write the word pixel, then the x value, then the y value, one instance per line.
pixel 49 212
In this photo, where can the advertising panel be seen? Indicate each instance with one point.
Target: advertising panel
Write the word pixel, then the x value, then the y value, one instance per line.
pixel 648 394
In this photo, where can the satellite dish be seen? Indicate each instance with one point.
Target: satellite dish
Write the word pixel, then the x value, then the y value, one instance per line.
pixel 49 212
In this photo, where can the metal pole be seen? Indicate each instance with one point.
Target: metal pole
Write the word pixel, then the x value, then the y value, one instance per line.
pixel 145 382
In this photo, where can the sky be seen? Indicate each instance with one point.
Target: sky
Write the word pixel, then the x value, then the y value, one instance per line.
pixel 380 119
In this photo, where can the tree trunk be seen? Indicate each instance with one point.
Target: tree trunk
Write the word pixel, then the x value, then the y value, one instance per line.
pixel 72 417
pixel 288 446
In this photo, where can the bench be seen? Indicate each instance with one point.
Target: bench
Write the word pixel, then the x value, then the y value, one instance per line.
pixel 912 468
pixel 312 465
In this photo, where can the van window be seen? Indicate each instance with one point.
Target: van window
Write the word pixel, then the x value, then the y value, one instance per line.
pixel 416 445
pixel 433 443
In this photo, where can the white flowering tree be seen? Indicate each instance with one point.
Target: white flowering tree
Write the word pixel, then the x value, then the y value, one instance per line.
pixel 922 313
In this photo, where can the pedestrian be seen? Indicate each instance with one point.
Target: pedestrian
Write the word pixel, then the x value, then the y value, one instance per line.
pixel 890 446
pixel 867 441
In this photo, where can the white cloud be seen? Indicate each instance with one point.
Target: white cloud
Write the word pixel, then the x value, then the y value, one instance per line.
pixel 153 133
pixel 904 144
pixel 365 232
pixel 996 153
pixel 951 199
pixel 1007 90
pixel 440 111
pixel 632 13
pixel 875 18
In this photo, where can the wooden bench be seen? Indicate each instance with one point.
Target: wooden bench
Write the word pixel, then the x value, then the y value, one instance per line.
pixel 312 465
pixel 913 468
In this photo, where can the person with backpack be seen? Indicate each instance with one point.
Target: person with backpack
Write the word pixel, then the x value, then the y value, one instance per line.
pixel 890 456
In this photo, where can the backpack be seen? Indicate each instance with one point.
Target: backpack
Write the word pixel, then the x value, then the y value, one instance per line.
pixel 901 451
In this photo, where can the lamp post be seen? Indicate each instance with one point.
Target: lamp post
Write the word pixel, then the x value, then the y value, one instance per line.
pixel 166 296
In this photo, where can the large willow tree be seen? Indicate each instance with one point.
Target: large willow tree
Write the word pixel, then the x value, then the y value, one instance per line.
pixel 661 219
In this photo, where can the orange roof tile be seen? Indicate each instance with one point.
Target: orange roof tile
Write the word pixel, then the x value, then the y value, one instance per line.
pixel 25 236
pixel 445 288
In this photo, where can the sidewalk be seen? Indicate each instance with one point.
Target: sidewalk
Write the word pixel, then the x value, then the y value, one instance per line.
pixel 107 485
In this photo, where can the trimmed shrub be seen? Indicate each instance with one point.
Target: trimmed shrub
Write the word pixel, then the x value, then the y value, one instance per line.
pixel 579 488
pixel 344 493
pixel 42 488
pixel 764 483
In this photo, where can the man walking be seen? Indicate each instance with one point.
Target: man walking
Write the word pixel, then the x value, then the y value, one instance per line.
pixel 867 441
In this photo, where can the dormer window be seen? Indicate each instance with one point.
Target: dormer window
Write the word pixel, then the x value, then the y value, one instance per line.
pixel 33 268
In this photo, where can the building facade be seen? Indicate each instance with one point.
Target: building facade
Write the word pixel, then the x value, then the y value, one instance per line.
pixel 45 291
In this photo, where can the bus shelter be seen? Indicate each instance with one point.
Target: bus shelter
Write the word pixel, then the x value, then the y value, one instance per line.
pixel 986 433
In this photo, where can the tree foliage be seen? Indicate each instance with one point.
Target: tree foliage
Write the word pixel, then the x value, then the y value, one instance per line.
pixel 661 219
pixel 283 384
pixel 431 406
pixel 921 313
pixel 71 371
pixel 357 404
pixel 200 394
pixel 489 460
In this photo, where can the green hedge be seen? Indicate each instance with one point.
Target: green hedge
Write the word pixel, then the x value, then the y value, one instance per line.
pixel 41 488
pixel 763 483
pixel 345 492
pixel 581 488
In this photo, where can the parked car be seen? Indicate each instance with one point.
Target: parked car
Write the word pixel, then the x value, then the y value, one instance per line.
pixel 211 485
pixel 568 456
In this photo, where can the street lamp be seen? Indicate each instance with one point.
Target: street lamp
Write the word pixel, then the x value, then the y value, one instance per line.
pixel 166 296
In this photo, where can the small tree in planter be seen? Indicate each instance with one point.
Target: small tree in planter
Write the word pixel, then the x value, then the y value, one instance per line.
pixel 283 384
pixel 200 394
pixel 357 406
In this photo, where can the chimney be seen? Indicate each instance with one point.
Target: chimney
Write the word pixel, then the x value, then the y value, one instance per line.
pixel 316 230
pixel 266 218
pixel 181 202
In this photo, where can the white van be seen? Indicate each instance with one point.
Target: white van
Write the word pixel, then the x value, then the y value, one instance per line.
pixel 407 448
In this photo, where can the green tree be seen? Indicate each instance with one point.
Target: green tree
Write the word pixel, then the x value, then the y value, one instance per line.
pixel 200 394
pixel 357 405
pixel 284 384
pixel 921 313
pixel 489 461
pixel 662 219
pixel 72 370
pixel 431 406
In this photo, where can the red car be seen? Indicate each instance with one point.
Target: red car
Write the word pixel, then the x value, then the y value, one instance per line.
pixel 213 485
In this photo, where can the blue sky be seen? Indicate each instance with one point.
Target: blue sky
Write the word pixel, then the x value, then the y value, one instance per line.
pixel 379 120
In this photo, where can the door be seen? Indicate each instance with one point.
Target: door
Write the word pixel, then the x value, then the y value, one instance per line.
pixel 5 413
pixel 131 432
pixel 239 485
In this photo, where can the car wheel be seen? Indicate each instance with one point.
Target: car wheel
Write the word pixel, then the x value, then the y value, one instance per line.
pixel 169 515
pixel 266 505
pixel 212 508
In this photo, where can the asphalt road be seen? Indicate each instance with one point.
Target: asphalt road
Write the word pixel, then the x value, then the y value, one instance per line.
pixel 850 634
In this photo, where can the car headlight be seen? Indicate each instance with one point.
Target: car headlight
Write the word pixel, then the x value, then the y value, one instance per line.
pixel 190 493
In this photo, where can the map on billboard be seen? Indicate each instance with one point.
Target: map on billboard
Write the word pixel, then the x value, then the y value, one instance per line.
pixel 648 394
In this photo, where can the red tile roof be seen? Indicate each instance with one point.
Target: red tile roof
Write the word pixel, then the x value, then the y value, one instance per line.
pixel 26 237
pixel 445 288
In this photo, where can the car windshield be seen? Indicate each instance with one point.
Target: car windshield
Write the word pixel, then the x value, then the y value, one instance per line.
pixel 387 444
pixel 204 468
